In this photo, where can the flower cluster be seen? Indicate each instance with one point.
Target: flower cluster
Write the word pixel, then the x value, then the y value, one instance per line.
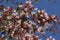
pixel 22 23
pixel 50 38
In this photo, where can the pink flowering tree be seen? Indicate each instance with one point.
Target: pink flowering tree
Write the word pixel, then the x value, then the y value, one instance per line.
pixel 22 23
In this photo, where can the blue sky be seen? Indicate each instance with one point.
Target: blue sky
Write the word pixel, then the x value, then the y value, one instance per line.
pixel 43 4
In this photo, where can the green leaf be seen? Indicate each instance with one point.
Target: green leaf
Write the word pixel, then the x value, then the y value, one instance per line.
pixel 1 7
pixel 0 24
pixel 7 21
pixel 18 9
pixel 10 38
pixel 36 1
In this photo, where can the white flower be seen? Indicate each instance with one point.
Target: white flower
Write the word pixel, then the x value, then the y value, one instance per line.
pixel 26 9
pixel 28 2
pixel 38 21
pixel 23 38
pixel 17 38
pixel 17 17
pixel 40 39
pixel 12 35
pixel 22 13
pixel 55 20
pixel 53 16
pixel 26 23
pixel 6 39
pixel 9 17
pixel 50 36
pixel 29 25
pixel 33 23
pixel 19 22
pixel 11 26
pixel 8 7
pixel 33 13
pixel 14 14
pixel 2 35
pixel 12 32
pixel 30 21
pixel 5 9
pixel 36 36
pixel 27 34
pixel 31 38
pixel 46 16
pixel 39 11
pixel 39 29
pixel 37 26
pixel 43 32
pixel 20 6
pixel 46 25
pixel 14 11
pixel 41 15
pixel 10 23
pixel 44 20
pixel 53 38
pixel 47 38
pixel 22 29
pixel 36 9
pixel 43 11
pixel 31 6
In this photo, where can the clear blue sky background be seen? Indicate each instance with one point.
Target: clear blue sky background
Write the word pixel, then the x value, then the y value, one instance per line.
pixel 43 4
